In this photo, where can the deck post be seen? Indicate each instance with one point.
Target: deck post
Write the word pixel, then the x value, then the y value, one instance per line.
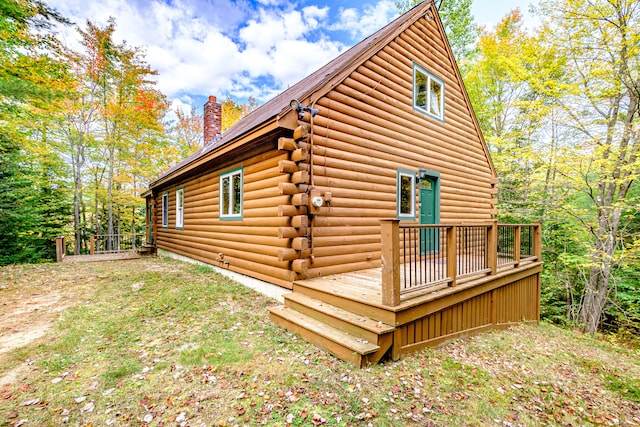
pixel 60 248
pixel 390 235
pixel 492 247
pixel 452 251
pixel 517 236
pixel 92 244
pixel 537 241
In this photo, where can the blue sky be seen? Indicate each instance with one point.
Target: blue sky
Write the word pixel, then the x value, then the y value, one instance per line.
pixel 243 48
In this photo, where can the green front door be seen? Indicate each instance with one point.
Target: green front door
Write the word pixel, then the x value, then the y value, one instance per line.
pixel 429 214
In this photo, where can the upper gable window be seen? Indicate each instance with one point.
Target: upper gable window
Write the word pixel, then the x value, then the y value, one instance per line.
pixel 428 93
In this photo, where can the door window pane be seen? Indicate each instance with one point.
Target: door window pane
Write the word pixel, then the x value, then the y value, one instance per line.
pixel 406 195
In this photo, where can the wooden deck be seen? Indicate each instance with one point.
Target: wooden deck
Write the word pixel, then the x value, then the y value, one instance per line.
pixel 366 286
pixel 334 307
pixel 101 257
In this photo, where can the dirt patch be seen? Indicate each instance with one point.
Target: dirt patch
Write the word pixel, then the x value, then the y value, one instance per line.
pixel 33 297
pixel 32 300
pixel 24 321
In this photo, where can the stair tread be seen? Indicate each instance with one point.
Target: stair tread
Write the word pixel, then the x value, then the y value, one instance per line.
pixel 347 340
pixel 340 313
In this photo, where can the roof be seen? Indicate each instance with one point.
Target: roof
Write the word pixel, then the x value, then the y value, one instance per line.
pixel 310 88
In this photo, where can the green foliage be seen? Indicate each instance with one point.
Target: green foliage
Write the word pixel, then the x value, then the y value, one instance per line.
pixel 623 312
pixel 462 30
pixel 564 271
pixel 112 131
pixel 458 23
pixel 33 203
pixel 597 97
pixel 556 107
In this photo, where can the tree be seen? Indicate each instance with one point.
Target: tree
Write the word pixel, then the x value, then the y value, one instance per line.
pixel 233 111
pixel 188 131
pixel 599 95
pixel 510 113
pixel 114 130
pixel 458 22
pixel 33 207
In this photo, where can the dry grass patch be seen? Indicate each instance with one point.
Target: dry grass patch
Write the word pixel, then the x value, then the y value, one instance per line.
pixel 158 342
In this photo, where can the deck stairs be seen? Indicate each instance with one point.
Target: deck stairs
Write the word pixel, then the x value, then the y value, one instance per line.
pixel 336 325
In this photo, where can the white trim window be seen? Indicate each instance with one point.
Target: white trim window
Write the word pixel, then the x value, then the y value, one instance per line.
pixel 428 93
pixel 231 194
pixel 180 208
pixel 165 209
pixel 406 195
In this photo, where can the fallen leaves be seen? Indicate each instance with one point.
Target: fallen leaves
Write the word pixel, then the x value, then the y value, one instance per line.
pixel 134 375
pixel 88 407
pixel 31 402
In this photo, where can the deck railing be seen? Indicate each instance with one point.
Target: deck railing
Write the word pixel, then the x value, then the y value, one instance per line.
pixel 115 243
pixel 420 256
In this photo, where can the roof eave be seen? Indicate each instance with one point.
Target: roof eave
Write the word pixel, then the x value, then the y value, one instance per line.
pixel 265 127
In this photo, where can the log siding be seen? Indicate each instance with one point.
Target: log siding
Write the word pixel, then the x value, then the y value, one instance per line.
pixel 248 245
pixel 367 130
pixel 348 156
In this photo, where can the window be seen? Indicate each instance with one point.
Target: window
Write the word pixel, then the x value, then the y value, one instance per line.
pixel 179 207
pixel 231 194
pixel 406 195
pixel 428 93
pixel 165 209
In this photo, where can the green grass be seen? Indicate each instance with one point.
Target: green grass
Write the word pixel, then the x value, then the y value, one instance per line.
pixel 177 343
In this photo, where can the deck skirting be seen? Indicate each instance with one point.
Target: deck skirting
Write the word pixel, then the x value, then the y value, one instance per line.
pixel 512 302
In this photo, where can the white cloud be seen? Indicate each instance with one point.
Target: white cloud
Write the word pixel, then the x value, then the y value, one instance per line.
pixel 314 15
pixel 270 28
pixel 272 2
pixel 277 45
pixel 221 47
pixel 371 19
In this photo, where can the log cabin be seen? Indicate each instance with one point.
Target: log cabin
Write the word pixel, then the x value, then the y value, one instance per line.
pixel 368 191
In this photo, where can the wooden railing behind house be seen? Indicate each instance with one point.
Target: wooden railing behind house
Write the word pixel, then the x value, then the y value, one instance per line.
pixel 115 243
pixel 516 242
pixel 420 256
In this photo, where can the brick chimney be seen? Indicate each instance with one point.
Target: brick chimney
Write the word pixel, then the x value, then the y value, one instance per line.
pixel 212 120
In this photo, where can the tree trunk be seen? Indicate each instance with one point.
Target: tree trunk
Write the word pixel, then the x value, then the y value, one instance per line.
pixel 77 150
pixel 602 257
pixel 110 230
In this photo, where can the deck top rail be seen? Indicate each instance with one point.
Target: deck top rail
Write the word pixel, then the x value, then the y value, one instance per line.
pixel 416 256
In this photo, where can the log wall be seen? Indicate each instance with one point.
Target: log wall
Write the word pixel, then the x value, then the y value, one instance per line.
pixel 367 129
pixel 251 246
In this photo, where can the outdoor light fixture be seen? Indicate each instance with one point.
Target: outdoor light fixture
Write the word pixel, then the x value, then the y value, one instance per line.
pixel 297 105
pixel 317 201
